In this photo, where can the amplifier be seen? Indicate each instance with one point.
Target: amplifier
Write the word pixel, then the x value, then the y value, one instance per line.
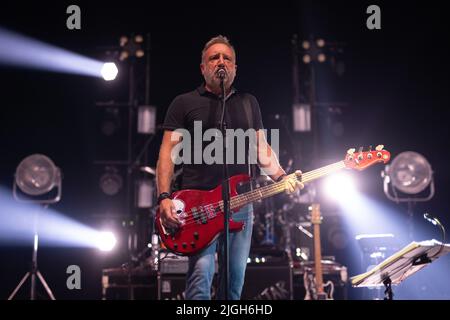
pixel 268 282
pixel 129 284
pixel 268 275
pixel 173 264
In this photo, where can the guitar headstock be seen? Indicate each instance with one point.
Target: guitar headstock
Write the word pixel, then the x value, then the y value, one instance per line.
pixel 360 160
pixel 315 214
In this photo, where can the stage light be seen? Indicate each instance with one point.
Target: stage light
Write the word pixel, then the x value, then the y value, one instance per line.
pixel 105 241
pixel 109 71
pixel 306 45
pixel 306 58
pixel 111 121
pixel 146 120
pixel 139 53
pixel 111 182
pixel 340 187
pixel 320 43
pixel 123 40
pixel 145 193
pixel 321 57
pixel 37 175
pixel 409 173
pixel 138 38
pixel 301 117
pixel 131 47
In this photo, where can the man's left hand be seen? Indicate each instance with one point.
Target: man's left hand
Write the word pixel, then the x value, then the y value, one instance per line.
pixel 292 183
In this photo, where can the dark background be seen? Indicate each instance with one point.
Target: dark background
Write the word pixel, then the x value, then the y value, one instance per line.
pixel 395 90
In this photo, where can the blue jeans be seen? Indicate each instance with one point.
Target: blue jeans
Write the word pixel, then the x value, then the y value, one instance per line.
pixel 202 266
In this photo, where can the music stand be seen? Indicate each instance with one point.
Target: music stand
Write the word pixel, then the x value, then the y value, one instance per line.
pixel 401 265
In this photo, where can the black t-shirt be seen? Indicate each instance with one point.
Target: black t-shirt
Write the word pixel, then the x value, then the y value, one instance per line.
pixel 204 106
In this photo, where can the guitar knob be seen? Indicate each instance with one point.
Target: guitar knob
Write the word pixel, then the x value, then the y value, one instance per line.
pixel 175 246
pixel 196 236
pixel 193 244
pixel 184 245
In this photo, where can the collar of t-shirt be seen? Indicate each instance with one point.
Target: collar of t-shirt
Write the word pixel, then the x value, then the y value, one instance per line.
pixel 203 92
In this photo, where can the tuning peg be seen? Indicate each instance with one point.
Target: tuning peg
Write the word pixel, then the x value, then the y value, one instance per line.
pixel 379 147
pixel 370 148
pixel 351 151
pixel 360 156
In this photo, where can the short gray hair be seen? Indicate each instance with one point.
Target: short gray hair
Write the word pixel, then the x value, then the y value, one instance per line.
pixel 218 39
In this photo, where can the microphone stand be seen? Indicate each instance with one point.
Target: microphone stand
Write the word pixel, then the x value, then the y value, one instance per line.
pixel 225 195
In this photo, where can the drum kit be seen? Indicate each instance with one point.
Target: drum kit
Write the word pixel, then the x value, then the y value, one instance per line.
pixel 283 222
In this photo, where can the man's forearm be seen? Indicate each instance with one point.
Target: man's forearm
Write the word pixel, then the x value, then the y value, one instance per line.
pixel 267 158
pixel 164 174
pixel 268 161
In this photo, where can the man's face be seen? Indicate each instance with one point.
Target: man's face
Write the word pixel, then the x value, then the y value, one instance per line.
pixel 218 56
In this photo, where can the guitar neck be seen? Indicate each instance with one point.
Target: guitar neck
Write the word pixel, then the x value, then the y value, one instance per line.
pixel 278 187
pixel 318 259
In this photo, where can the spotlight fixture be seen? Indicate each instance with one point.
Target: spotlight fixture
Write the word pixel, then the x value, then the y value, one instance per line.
pixel 145 187
pixel 131 47
pixel 146 119
pixel 321 57
pixel 37 176
pixel 320 43
pixel 111 182
pixel 314 50
pixel 109 71
pixel 106 241
pixel 410 173
pixel 111 121
pixel 306 58
pixel 306 45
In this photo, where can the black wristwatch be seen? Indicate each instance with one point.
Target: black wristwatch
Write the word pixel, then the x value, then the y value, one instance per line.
pixel 162 196
pixel 281 177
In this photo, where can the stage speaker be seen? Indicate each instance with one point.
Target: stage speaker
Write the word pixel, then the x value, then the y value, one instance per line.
pixel 265 282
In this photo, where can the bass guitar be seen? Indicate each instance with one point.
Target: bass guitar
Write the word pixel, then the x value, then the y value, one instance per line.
pixel 201 212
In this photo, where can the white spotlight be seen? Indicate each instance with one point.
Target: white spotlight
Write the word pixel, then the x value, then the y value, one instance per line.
pixel 340 187
pixel 105 241
pixel 109 71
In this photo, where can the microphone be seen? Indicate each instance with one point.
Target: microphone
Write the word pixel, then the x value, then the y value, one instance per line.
pixel 221 73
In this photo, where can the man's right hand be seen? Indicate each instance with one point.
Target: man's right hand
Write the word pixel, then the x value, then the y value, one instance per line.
pixel 168 214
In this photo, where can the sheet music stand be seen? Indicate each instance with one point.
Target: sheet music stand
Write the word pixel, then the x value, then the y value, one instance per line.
pixel 401 265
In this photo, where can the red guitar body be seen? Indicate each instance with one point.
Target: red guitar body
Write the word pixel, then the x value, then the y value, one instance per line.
pixel 201 216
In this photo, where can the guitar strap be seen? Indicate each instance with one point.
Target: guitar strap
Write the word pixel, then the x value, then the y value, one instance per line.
pixel 249 116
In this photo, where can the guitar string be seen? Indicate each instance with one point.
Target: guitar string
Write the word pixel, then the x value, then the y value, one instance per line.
pixel 272 189
pixel 250 196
